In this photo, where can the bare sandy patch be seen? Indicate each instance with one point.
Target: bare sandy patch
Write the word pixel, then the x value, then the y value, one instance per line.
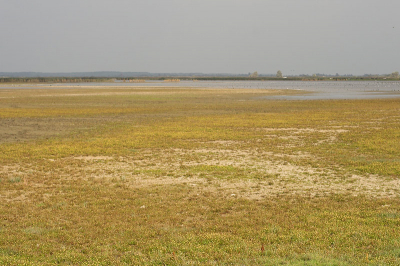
pixel 306 130
pixel 191 167
pixel 169 167
pixel 93 158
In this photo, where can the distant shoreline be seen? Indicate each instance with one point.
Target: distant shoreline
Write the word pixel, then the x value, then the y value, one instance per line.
pixel 183 78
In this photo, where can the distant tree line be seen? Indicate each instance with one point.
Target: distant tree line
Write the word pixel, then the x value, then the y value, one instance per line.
pixel 53 80
pixel 251 76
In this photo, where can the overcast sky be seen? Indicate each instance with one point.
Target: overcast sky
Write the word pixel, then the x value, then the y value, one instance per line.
pixel 209 36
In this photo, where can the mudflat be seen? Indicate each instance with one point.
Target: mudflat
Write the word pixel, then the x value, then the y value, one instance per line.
pixel 174 175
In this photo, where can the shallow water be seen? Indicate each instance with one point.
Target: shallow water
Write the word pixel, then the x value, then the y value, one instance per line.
pixel 317 89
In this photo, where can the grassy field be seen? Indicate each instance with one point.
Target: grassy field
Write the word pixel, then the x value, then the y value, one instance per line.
pixel 177 176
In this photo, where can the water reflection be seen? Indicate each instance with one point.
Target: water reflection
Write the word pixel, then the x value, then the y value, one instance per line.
pixel 317 89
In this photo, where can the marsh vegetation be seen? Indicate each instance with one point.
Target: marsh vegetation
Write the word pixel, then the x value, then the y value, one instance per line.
pixel 199 176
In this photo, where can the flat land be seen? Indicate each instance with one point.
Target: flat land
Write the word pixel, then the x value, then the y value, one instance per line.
pixel 196 176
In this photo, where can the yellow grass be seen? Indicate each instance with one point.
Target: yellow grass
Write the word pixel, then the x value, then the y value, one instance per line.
pixel 178 176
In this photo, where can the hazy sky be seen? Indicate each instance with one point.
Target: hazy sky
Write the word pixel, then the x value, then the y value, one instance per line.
pixel 209 36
